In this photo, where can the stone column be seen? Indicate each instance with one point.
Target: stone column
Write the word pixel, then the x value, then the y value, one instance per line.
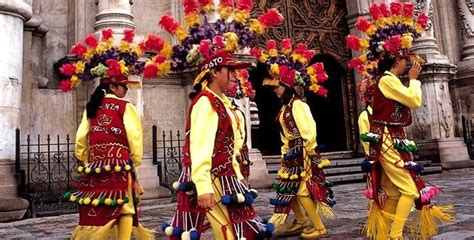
pixel 13 15
pixel 115 14
pixel 356 9
pixel 433 123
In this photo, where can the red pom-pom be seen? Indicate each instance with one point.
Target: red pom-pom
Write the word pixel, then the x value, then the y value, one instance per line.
pixel 68 69
pixel 114 68
pixel 393 44
pixel 219 42
pixel 384 10
pixel 352 42
pixel 78 49
pixel 322 91
pixel 309 54
pixel 91 40
pixel 286 44
pixel 153 42
pixel 271 18
pixel 244 73
pixel 65 85
pixel 159 59
pixel 168 23
pixel 396 8
pixel 422 20
pixel 322 77
pixel 355 63
pixel 408 9
pixel 374 11
pixel 271 44
pixel 255 52
pixel 301 49
pixel 318 67
pixel 245 5
pixel 107 33
pixel 227 3
pixel 362 24
pixel 150 71
pixel 205 47
pixel 128 35
pixel 190 6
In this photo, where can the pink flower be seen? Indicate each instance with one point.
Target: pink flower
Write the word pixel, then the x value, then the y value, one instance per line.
pixel 65 85
pixel 78 49
pixel 219 42
pixel 352 42
pixel 408 9
pixel 106 34
pixel 150 71
pixel 271 44
pixel 423 20
pixel 114 68
pixel 205 47
pixel 255 52
pixel 128 35
pixel 375 11
pixel 396 8
pixel 368 193
pixel 286 44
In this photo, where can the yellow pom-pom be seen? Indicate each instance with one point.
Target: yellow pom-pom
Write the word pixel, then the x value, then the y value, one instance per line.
pixel 98 170
pixel 169 231
pixel 303 174
pixel 80 169
pixel 108 201
pixel 108 168
pixel 72 198
pixel 120 201
pixel 81 201
pixel 245 162
pixel 87 201
pixel 127 167
pixel 117 168
pixel 285 175
pixel 88 170
pixel 95 202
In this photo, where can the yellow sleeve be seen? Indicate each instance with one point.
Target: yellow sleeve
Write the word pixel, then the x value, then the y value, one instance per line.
pixel 392 88
pixel 82 142
pixel 364 127
pixel 204 122
pixel 239 143
pixel 240 133
pixel 133 128
pixel 306 125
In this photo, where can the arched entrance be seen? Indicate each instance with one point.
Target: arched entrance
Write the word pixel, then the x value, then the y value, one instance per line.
pixel 322 26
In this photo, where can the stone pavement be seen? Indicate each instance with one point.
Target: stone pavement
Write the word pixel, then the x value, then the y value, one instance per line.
pixel 458 187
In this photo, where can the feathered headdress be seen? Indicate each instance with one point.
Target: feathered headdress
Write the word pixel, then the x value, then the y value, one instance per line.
pixel 241 87
pixel 108 58
pixel 232 32
pixel 289 66
pixel 389 34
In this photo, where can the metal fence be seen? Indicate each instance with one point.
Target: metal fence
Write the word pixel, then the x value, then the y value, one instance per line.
pixel 47 169
pixel 167 152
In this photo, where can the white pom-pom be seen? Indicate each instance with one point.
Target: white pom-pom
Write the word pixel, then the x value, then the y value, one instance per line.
pixel 242 238
pixel 240 198
pixel 190 192
pixel 254 190
pixel 175 185
pixel 169 231
pixel 186 235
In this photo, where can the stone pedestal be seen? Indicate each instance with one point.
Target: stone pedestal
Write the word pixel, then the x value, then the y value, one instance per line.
pixel 259 177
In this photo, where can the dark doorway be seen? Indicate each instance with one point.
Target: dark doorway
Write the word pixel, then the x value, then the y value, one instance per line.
pixel 329 112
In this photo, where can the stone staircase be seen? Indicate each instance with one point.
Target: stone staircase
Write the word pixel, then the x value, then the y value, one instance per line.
pixel 344 167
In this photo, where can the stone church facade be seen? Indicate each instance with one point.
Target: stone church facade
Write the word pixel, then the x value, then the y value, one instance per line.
pixel 37 34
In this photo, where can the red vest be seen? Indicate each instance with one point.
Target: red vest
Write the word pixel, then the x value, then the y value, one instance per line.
pixel 389 112
pixel 107 136
pixel 224 142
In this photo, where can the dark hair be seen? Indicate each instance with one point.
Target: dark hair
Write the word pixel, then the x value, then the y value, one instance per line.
pixel 96 100
pixel 385 65
pixel 288 95
pixel 197 89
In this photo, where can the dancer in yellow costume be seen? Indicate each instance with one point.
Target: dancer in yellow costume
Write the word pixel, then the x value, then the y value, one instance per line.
pixel 109 141
pixel 301 185
pixel 394 183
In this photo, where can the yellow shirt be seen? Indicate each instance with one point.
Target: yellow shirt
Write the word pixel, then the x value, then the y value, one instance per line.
pixel 305 124
pixel 240 135
pixel 133 127
pixel 392 88
pixel 204 121
pixel 364 126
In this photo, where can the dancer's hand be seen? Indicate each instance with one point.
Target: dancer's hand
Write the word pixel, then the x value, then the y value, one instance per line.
pixel 414 71
pixel 206 200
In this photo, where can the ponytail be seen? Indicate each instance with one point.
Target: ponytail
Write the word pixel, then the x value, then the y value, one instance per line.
pixel 96 100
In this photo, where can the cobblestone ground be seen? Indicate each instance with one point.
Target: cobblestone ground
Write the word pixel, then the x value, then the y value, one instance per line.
pixel 458 187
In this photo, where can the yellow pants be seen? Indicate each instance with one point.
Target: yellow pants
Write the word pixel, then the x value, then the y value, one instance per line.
pixel 398 185
pixel 218 216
